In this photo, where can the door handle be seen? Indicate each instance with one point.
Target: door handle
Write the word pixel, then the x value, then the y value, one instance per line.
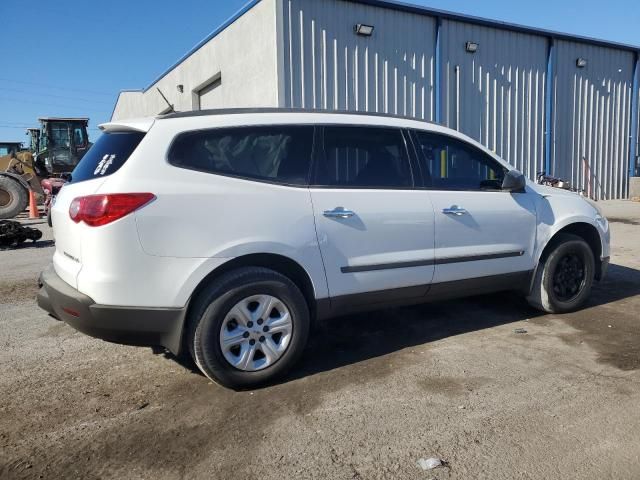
pixel 339 212
pixel 455 210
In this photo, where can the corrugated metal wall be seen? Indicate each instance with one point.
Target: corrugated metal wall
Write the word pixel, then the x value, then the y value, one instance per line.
pixel 500 95
pixel 592 118
pixel 496 95
pixel 328 66
pixel 636 159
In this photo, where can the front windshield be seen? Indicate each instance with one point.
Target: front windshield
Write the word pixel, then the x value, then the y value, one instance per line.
pixel 59 136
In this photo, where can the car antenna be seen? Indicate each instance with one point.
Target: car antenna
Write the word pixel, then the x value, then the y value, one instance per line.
pixel 173 110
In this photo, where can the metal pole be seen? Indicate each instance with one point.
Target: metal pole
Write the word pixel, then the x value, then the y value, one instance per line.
pixel 458 98
pixel 634 168
pixel 438 70
pixel 549 101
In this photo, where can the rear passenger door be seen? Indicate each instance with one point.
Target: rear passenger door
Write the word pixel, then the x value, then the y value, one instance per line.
pixel 375 230
pixel 481 230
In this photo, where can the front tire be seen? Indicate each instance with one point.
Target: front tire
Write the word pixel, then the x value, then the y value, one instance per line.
pixel 564 276
pixel 13 198
pixel 248 328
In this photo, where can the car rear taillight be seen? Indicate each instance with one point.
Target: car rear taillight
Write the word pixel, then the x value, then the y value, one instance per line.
pixel 98 210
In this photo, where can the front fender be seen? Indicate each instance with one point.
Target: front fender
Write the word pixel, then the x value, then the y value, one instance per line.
pixel 557 212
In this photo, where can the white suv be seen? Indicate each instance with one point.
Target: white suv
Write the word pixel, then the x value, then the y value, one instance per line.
pixel 227 234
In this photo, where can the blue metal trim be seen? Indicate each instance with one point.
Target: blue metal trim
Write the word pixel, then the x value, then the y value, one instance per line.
pixel 633 151
pixel 438 69
pixel 215 33
pixel 550 106
pixel 411 8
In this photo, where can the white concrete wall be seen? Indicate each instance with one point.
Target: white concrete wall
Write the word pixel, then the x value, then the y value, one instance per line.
pixel 244 54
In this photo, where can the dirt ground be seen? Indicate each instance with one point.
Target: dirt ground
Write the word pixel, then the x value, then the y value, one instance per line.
pixel 374 394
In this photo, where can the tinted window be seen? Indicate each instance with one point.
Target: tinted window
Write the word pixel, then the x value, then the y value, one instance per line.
pixel 59 136
pixel 455 165
pixel 107 155
pixel 78 137
pixel 280 154
pixel 363 157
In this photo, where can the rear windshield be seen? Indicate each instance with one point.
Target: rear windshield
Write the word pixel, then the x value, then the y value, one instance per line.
pixel 107 155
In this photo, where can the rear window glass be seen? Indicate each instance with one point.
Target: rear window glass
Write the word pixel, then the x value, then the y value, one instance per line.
pixel 107 155
pixel 364 157
pixel 279 154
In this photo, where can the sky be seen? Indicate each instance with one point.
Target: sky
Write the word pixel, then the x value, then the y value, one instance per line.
pixel 72 57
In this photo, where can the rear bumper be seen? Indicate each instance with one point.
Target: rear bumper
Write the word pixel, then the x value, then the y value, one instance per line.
pixel 124 325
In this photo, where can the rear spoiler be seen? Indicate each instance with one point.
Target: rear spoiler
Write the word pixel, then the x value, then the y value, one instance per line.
pixel 135 125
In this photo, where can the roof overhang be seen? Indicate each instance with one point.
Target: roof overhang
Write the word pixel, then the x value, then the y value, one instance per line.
pixel 62 119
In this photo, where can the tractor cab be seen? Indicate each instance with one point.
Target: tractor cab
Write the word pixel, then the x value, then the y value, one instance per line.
pixel 44 167
pixel 61 144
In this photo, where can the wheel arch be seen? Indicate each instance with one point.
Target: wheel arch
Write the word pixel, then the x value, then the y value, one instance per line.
pixel 584 230
pixel 278 263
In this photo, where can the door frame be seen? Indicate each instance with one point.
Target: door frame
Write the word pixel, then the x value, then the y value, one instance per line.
pixel 341 304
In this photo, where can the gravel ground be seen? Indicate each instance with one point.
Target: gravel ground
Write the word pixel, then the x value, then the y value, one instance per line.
pixel 375 393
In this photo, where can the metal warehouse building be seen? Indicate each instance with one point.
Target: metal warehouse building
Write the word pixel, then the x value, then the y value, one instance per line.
pixel 542 100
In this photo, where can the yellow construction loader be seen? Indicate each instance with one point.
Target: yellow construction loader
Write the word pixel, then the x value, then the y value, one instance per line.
pixel 55 150
pixel 18 175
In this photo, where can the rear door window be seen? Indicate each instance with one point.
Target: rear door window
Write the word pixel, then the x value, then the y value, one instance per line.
pixel 363 157
pixel 107 155
pixel 280 154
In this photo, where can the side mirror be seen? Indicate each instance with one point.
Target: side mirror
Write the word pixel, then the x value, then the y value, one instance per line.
pixel 514 182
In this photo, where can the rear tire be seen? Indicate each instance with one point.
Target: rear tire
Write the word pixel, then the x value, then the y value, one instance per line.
pixel 248 328
pixel 564 276
pixel 13 198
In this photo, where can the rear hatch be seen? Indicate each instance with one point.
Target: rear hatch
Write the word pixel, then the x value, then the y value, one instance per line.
pixel 104 158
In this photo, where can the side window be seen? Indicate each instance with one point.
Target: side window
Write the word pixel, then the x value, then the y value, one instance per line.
pixel 279 154
pixel 455 165
pixel 363 157
pixel 78 137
